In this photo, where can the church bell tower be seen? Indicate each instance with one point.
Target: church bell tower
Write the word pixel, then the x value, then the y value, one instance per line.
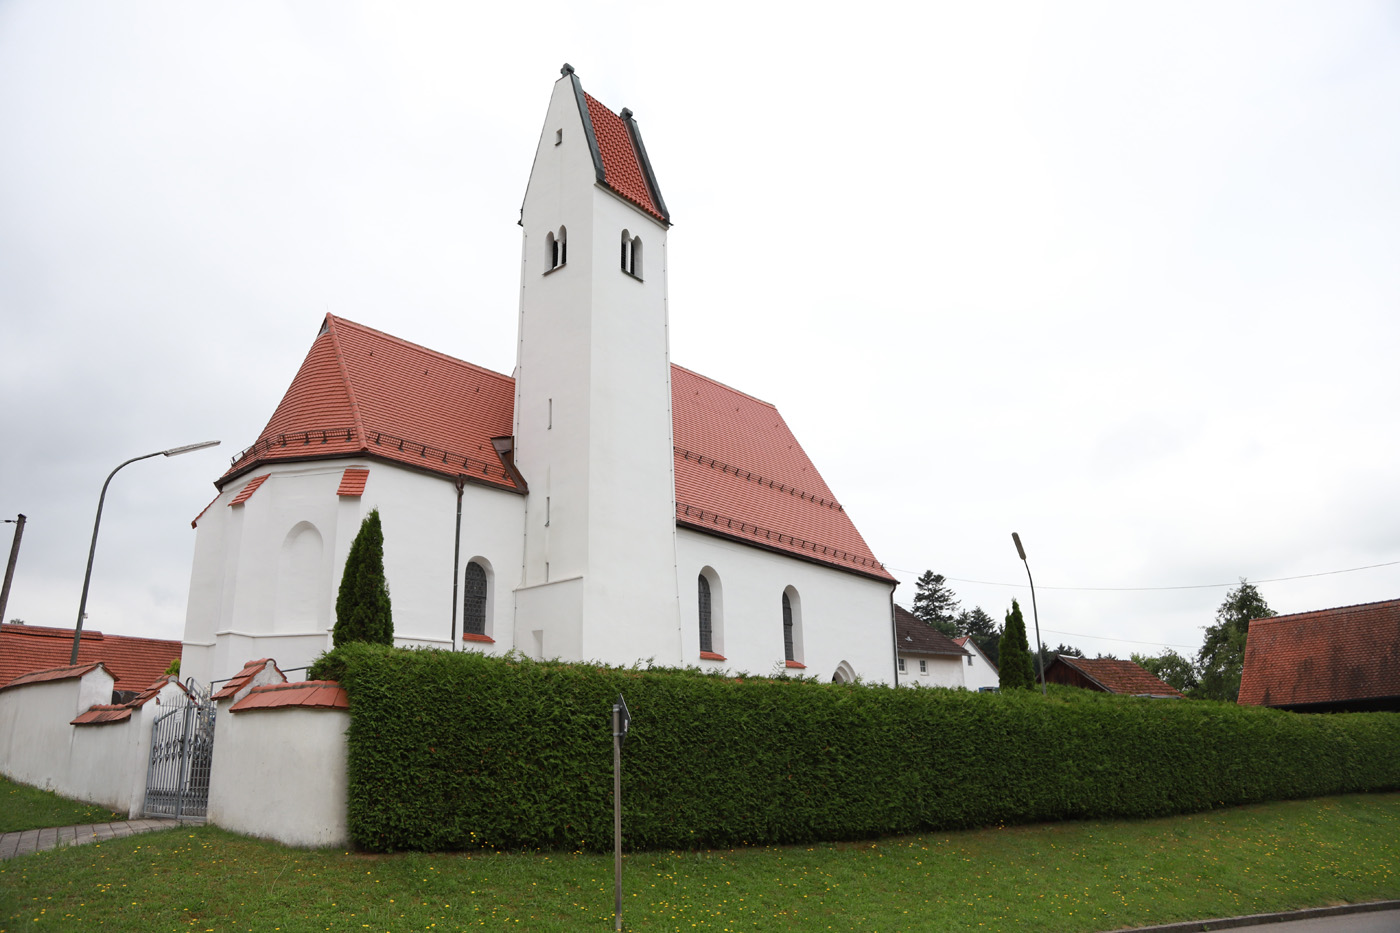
pixel 593 429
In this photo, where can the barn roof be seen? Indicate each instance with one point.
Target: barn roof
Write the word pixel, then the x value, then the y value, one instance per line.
pixel 134 663
pixel 740 472
pixel 1113 675
pixel 1351 653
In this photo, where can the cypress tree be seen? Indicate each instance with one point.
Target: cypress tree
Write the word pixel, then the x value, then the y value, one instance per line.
pixel 1014 662
pixel 362 610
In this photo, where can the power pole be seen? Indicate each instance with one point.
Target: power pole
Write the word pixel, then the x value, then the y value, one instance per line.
pixel 10 567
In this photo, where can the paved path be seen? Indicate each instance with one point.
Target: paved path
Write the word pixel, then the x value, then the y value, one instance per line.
pixel 38 840
pixel 1373 917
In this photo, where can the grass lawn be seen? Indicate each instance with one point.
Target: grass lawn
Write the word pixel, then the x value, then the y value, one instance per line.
pixel 1067 876
pixel 25 807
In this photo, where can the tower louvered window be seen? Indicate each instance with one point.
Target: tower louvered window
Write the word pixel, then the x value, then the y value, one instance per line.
pixel 474 603
pixel 707 636
pixel 787 629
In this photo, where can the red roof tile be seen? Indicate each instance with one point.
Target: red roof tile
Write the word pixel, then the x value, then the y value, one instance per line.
pixel 352 482
pixel 361 392
pixel 149 694
pixel 244 677
pixel 52 674
pixel 247 491
pixel 1327 656
pixel 915 636
pixel 314 694
pixel 1115 676
pixel 102 714
pixel 133 662
pixel 740 472
pixel 621 165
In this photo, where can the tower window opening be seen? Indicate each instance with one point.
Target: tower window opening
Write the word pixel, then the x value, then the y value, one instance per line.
pixel 556 247
pixel 632 255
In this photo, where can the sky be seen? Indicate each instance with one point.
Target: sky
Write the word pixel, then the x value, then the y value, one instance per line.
pixel 1123 278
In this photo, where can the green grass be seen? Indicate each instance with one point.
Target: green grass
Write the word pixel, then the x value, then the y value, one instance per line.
pixel 1058 877
pixel 25 807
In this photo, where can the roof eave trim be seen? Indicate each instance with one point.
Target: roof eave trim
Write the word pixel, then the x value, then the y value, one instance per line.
pixel 593 149
pixel 708 530
pixel 635 134
pixel 227 478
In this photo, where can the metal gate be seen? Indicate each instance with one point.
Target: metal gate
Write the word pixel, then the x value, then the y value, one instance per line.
pixel 182 749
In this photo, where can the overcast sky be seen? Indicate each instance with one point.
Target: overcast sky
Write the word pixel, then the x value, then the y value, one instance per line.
pixel 1124 278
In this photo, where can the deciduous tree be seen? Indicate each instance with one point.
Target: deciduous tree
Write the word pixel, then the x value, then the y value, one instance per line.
pixel 1171 668
pixel 362 610
pixel 1221 658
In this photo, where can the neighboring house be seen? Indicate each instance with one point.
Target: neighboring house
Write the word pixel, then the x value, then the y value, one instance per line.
pixel 1331 660
pixel 134 663
pixel 600 504
pixel 927 657
pixel 1107 675
pixel 979 671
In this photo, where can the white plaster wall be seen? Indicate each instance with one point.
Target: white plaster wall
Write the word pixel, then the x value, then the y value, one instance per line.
pixel 980 673
pixel 104 762
pixel 243 555
pixel 280 774
pixel 845 617
pixel 941 671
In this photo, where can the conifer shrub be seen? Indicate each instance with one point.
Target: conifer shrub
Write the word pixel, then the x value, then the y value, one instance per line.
pixel 1015 665
pixel 459 750
pixel 362 608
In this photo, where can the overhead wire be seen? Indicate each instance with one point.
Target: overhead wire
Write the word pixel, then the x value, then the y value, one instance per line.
pixel 1144 589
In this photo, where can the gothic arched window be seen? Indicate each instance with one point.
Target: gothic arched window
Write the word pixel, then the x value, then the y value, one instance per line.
pixel 474 602
pixel 707 634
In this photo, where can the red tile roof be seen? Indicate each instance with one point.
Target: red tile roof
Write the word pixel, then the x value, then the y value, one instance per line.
pixel 149 694
pixel 352 482
pixel 102 714
pixel 55 673
pixel 133 662
pixel 247 491
pixel 314 694
pixel 621 164
pixel 1327 656
pixel 361 392
pixel 740 473
pixel 1114 676
pixel 915 636
pixel 244 677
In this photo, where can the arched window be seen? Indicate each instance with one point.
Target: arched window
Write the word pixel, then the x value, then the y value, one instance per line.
pixel 707 634
pixel 556 248
pixel 710 611
pixel 787 629
pixel 631 254
pixel 474 602
pixel 792 628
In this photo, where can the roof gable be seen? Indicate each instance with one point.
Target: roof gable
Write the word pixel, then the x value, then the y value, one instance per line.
pixel 133 663
pixel 626 169
pixel 1327 656
pixel 1113 675
pixel 915 636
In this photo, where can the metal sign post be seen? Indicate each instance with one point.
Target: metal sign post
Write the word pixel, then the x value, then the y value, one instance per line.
pixel 621 722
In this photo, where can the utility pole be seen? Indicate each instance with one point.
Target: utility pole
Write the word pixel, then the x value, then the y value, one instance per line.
pixel 10 567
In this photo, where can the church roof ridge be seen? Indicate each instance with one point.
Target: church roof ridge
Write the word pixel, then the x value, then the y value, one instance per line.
pixel 723 385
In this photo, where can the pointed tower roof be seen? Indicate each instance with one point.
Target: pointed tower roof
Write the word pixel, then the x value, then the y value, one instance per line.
pixel 619 157
pixel 361 392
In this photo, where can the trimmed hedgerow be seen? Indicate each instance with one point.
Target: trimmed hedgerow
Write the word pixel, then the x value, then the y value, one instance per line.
pixel 458 750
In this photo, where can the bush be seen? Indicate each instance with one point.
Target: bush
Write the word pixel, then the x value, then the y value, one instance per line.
pixel 363 612
pixel 458 750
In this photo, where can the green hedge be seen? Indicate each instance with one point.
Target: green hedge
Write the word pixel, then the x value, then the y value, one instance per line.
pixel 458 750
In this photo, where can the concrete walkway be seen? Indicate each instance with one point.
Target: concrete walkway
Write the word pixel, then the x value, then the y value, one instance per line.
pixel 39 840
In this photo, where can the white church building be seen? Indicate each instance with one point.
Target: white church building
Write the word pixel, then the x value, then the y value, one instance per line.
pixel 601 504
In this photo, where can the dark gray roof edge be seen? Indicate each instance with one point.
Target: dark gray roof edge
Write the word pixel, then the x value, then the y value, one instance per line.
pixel 636 134
pixel 588 127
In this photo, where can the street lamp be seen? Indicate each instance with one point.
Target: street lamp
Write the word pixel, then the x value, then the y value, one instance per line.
pixel 87 577
pixel 1035 612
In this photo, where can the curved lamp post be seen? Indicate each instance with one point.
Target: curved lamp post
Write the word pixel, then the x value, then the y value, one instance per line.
pixel 92 549
pixel 1035 612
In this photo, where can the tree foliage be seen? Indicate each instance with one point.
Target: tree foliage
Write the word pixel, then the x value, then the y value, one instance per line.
pixel 1015 665
pixel 362 609
pixel 982 629
pixel 1221 658
pixel 935 603
pixel 1171 668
